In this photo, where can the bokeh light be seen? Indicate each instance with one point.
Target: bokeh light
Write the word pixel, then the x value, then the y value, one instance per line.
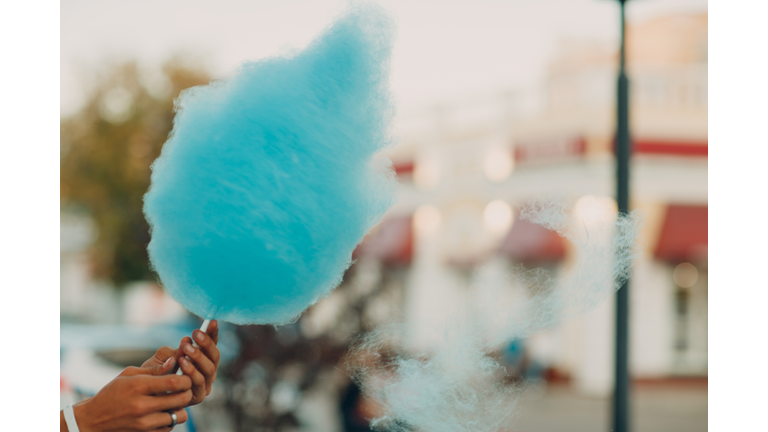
pixel 685 275
pixel 426 220
pixel 498 164
pixel 498 216
pixel 426 175
pixel 591 209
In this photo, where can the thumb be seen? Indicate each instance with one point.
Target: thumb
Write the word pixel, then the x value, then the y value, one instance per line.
pixel 161 369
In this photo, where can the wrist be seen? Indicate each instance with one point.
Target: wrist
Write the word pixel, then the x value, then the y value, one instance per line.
pixel 81 415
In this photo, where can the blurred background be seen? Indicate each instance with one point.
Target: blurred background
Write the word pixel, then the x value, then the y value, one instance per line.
pixel 498 102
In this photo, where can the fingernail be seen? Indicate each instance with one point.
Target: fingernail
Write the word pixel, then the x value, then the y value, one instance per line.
pixel 184 362
pixel 199 335
pixel 168 362
pixel 188 349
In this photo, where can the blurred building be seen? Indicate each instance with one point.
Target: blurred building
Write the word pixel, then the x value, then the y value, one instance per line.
pixel 466 166
pixel 84 299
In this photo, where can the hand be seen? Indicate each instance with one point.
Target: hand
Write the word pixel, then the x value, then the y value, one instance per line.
pixel 204 360
pixel 137 400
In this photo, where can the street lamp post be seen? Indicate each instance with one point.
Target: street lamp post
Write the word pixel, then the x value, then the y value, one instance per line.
pixel 621 392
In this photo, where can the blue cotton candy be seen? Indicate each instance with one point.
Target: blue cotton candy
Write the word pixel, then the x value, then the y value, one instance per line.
pixel 269 178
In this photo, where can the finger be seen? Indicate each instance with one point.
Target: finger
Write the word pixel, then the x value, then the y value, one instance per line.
pixel 130 371
pixel 161 421
pixel 165 402
pixel 164 353
pixel 213 331
pixel 202 363
pixel 152 385
pixel 161 369
pixel 178 354
pixel 199 387
pixel 185 340
pixel 159 357
pixel 207 346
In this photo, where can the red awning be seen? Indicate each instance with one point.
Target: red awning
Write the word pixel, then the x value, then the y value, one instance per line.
pixel 532 244
pixel 403 169
pixel 683 235
pixel 648 146
pixel 391 242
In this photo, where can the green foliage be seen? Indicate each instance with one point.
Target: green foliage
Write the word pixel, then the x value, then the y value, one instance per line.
pixel 106 152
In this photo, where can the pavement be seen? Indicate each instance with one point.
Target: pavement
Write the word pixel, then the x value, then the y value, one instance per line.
pixel 654 408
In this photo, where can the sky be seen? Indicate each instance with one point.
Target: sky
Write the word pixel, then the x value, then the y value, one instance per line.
pixel 444 49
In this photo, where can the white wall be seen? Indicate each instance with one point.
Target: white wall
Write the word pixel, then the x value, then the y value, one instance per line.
pixel 651 319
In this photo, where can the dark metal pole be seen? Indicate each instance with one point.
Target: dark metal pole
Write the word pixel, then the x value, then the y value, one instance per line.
pixel 621 395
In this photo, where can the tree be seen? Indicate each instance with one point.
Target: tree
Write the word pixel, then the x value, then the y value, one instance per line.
pixel 106 152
